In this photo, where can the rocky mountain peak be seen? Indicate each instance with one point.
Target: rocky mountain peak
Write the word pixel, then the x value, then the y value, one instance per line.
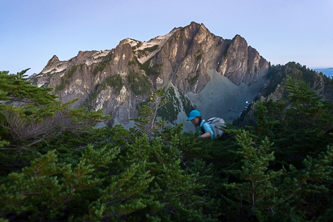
pixel 51 64
pixel 191 60
pixel 203 28
pixel 53 60
pixel 130 41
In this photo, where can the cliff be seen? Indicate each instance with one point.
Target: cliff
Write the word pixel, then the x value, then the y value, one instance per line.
pixel 195 67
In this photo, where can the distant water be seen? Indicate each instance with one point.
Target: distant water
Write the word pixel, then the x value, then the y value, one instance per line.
pixel 328 71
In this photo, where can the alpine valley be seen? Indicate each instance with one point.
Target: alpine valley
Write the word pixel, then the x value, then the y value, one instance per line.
pixel 196 69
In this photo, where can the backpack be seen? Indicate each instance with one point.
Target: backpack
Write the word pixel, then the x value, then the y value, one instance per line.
pixel 217 125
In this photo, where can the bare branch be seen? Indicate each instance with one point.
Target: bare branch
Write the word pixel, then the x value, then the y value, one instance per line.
pixel 34 131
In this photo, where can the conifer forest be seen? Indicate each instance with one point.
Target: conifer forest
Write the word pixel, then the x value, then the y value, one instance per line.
pixel 56 166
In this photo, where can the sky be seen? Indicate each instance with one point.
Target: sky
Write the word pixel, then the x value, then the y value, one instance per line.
pixel 32 31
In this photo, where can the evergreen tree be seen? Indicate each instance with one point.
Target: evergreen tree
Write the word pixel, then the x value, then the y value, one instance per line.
pixel 147 121
pixel 30 115
pixel 302 167
pixel 55 167
pixel 99 174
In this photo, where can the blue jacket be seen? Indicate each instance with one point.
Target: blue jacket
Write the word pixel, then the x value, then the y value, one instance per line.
pixel 206 127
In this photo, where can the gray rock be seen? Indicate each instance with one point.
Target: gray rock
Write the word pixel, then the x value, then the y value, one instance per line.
pixel 205 71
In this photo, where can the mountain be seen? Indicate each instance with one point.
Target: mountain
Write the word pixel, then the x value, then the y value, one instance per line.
pixel 275 90
pixel 327 71
pixel 196 68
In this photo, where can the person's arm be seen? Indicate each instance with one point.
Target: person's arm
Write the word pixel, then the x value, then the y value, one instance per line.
pixel 208 131
pixel 205 135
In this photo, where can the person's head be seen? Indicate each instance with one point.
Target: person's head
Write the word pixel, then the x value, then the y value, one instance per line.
pixel 195 117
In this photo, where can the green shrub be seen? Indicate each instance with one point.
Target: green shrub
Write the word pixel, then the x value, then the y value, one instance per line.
pixel 171 109
pixel 132 62
pixel 149 49
pixel 193 80
pixel 278 169
pixel 146 67
pixel 198 57
pixel 65 80
pixel 71 72
pixel 139 83
pixel 116 82
pixel 151 70
pixel 59 88
pixel 187 105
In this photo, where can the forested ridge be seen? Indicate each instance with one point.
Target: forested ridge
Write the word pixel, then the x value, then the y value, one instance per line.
pixel 54 166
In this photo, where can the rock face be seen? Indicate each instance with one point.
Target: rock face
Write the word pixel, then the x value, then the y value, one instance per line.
pixel 274 87
pixel 196 68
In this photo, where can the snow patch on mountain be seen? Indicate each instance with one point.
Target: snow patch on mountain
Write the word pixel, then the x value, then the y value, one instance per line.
pixel 159 41
pixel 55 69
pixel 97 57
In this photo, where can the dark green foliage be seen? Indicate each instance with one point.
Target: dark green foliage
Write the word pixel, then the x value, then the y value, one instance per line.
pixel 256 191
pixel 147 121
pixel 276 74
pixel 99 67
pixel 299 72
pixel 192 80
pixel 137 46
pixel 71 72
pixel 132 62
pixel 278 169
pixel 30 115
pixel 116 82
pixel 16 88
pixel 151 69
pixel 187 105
pixel 301 123
pixel 298 147
pixel 107 174
pixel 198 57
pixel 147 50
pixel 65 80
pixel 60 87
pixel 139 83
pixel 170 110
pixel 264 192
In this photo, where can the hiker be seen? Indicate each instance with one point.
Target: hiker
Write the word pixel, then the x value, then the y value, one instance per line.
pixel 212 128
pixel 205 128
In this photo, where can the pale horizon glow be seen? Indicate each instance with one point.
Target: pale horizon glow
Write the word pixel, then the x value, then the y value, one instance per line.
pixel 281 31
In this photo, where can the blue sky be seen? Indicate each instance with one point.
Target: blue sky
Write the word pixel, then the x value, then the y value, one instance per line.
pixel 32 31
